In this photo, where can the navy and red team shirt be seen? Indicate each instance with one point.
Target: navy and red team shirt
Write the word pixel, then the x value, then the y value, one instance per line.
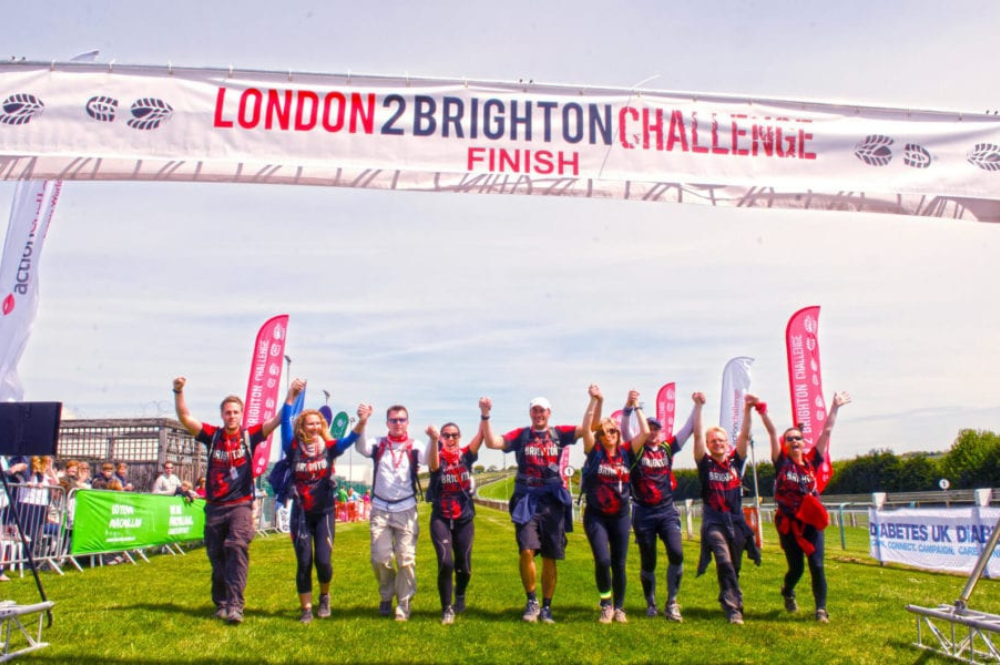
pixel 454 485
pixel 313 476
pixel 606 478
pixel 793 481
pixel 230 470
pixel 721 487
pixel 652 476
pixel 536 453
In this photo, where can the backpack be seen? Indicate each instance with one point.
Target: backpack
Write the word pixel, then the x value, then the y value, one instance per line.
pixel 412 455
pixel 280 479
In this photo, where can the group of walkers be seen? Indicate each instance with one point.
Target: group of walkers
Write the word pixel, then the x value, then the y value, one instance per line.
pixel 627 479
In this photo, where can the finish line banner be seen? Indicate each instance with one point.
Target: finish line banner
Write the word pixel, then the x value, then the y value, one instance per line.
pixel 935 539
pixel 112 521
pixel 81 121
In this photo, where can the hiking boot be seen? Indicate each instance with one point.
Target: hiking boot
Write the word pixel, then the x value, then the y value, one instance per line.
pixel 673 612
pixel 459 604
pixel 385 608
pixel 235 616
pixel 546 615
pixel 403 610
pixel 790 604
pixel 822 616
pixel 222 612
pixel 736 618
pixel 307 615
pixel 620 616
pixel 531 611
pixel 607 614
pixel 448 616
pixel 323 611
pixel 651 610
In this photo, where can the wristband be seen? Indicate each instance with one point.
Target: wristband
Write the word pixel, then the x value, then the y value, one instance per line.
pixel 628 409
pixel 178 392
pixel 761 407
pixel 482 417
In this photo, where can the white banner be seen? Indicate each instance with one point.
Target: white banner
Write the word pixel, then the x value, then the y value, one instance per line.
pixel 934 538
pixel 85 121
pixel 30 215
pixel 735 386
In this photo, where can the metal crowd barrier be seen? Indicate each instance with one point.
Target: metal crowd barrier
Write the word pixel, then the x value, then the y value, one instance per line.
pixel 45 516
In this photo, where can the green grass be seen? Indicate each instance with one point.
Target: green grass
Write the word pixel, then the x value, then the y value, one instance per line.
pixel 160 612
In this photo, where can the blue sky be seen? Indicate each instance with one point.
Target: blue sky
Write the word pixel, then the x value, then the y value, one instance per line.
pixel 434 300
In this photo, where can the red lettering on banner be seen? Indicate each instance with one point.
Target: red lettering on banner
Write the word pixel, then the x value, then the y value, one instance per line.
pixel 677 132
pixel 623 131
pixel 541 162
pixel 694 135
pixel 332 112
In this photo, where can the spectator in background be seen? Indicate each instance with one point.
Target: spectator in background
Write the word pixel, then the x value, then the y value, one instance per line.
pixel 84 480
pixel 166 482
pixel 199 487
pixel 103 479
pixel 121 473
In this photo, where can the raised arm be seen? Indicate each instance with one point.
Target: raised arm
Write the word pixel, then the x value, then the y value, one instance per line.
pixel 639 440
pixel 684 433
pixel 433 439
pixel 586 428
pixel 823 443
pixel 595 391
pixel 699 430
pixel 191 424
pixel 491 440
pixel 477 440
pixel 743 438
pixel 287 424
pixel 772 432
pixel 361 445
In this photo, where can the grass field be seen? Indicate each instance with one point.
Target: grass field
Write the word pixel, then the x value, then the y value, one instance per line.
pixel 160 612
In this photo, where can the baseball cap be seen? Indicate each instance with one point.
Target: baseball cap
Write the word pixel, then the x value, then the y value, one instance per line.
pixel 653 422
pixel 540 401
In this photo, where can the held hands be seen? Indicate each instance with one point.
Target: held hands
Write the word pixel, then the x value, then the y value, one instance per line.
pixel 633 399
pixel 298 385
pixel 364 412
pixel 433 433
pixel 485 405
pixel 595 392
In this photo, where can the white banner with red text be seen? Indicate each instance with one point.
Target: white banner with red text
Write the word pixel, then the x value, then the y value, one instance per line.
pixel 114 122
pixel 948 539
pixel 735 386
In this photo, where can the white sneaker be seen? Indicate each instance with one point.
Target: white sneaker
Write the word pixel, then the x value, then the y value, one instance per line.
pixel 403 610
pixel 607 614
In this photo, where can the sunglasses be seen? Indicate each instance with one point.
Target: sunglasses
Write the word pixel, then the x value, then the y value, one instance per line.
pixel 451 435
pixel 397 421
pixel 793 438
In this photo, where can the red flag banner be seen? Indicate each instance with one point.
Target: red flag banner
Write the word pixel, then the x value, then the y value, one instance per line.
pixel 666 409
pixel 805 382
pixel 265 383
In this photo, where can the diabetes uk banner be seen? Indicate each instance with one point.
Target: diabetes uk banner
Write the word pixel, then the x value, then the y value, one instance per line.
pixel 81 121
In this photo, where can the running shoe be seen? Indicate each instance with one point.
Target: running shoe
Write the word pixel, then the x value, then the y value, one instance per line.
pixel 307 615
pixel 651 610
pixel 385 608
pixel 235 616
pixel 459 604
pixel 531 611
pixel 323 611
pixel 620 616
pixel 546 615
pixel 607 614
pixel 403 610
pixel 222 612
pixel 673 612
pixel 736 618
pixel 448 616
pixel 822 616
pixel 790 604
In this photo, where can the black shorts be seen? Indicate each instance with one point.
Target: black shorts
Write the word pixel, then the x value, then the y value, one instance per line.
pixel 545 532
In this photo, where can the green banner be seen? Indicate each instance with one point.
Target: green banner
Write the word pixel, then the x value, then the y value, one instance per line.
pixel 111 521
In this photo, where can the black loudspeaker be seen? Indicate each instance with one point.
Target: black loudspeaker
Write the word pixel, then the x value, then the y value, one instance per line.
pixel 29 428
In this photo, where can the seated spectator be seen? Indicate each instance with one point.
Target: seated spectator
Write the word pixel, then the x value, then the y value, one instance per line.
pixel 103 479
pixel 199 487
pixel 84 481
pixel 121 473
pixel 166 482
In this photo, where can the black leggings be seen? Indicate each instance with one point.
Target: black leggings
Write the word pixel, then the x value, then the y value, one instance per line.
pixel 608 538
pixel 453 544
pixel 312 532
pixel 796 566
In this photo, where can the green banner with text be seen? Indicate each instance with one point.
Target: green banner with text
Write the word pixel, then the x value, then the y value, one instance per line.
pixel 111 521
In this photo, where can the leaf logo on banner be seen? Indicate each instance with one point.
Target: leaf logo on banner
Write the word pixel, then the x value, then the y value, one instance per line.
pixel 149 113
pixel 102 108
pixel 916 156
pixel 8 304
pixel 19 109
pixel 986 156
pixel 874 150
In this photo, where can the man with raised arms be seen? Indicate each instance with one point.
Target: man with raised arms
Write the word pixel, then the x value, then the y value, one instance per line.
pixel 541 506
pixel 229 524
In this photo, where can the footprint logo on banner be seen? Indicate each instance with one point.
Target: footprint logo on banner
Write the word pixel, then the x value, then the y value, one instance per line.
pixel 986 156
pixel 102 108
pixel 20 108
pixel 875 150
pixel 149 113
pixel 916 156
